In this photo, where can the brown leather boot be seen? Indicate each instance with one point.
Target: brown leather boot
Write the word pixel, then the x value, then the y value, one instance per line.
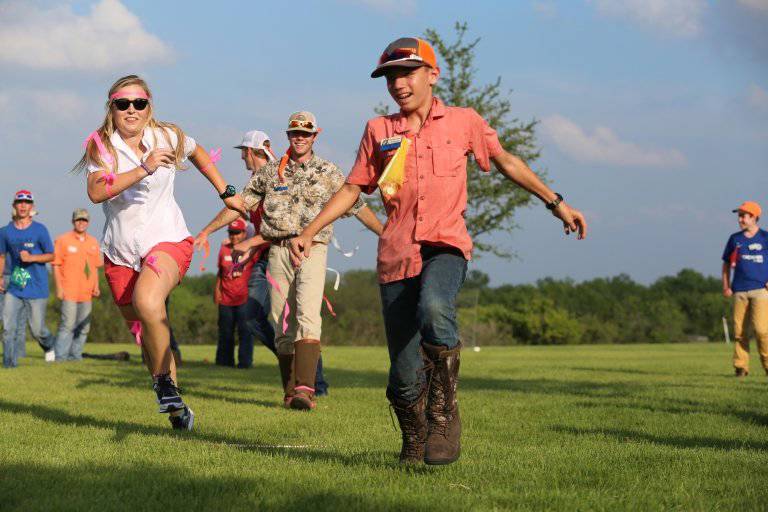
pixel 286 374
pixel 306 354
pixel 413 424
pixel 444 425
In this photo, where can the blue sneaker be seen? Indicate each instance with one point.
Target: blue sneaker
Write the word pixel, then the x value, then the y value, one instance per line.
pixel 185 421
pixel 168 398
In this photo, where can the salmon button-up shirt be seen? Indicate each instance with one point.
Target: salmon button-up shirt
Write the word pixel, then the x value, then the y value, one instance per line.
pixel 429 208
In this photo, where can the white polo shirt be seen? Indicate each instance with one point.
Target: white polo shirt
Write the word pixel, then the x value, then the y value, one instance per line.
pixel 146 213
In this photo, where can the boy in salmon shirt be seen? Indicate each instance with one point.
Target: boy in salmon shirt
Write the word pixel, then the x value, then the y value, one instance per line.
pixel 231 295
pixel 425 246
pixel 76 262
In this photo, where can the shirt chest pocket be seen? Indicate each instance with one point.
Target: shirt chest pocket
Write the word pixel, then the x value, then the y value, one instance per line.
pixel 316 192
pixel 278 199
pixel 449 156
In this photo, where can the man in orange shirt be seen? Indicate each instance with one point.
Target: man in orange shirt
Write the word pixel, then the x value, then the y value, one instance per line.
pixel 76 263
pixel 418 158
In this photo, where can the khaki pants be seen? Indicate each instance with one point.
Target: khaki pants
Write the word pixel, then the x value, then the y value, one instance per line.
pixel 303 288
pixel 754 304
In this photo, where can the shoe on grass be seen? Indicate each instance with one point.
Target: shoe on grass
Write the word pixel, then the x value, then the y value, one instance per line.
pixel 168 397
pixel 50 356
pixel 302 401
pixel 742 372
pixel 184 421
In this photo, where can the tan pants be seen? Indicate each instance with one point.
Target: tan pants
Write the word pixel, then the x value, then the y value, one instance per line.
pixel 755 304
pixel 303 288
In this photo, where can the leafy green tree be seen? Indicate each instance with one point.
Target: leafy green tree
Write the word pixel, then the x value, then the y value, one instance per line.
pixel 491 198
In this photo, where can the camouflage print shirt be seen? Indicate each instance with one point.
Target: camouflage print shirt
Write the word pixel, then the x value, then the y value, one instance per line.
pixel 290 206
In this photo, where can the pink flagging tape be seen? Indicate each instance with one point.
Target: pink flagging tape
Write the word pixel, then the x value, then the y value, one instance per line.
pixel 135 328
pixel 328 305
pixel 206 253
pixel 305 388
pixel 151 262
pixel 122 93
pixel 215 155
pixel 287 309
pixel 110 176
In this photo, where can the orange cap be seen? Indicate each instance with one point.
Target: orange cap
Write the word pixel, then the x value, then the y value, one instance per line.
pixel 750 207
pixel 409 52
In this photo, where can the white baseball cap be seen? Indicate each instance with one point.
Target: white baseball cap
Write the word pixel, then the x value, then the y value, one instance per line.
pixel 255 139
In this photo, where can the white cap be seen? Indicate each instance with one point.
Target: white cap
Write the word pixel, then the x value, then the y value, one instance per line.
pixel 255 139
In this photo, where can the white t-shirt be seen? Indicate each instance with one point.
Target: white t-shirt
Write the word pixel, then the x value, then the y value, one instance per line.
pixel 146 213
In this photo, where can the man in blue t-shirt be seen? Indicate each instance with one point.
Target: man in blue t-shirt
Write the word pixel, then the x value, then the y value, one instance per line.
pixel 29 248
pixel 747 253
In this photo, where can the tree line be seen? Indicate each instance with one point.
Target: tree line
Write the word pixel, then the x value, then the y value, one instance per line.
pixel 681 308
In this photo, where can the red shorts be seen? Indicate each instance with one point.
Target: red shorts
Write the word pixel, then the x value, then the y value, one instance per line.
pixel 122 279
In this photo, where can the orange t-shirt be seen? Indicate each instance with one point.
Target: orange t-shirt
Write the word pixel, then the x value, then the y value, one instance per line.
pixel 80 259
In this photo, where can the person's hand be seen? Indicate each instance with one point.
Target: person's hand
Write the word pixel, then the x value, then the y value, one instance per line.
pixel 2 286
pixel 25 256
pixel 159 158
pixel 573 220
pixel 728 292
pixel 60 294
pixel 300 248
pixel 96 292
pixel 237 204
pixel 200 240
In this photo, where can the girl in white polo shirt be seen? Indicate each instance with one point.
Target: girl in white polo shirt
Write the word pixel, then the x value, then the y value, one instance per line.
pixel 132 161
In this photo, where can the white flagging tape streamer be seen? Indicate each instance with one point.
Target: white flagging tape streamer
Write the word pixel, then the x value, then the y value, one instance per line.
pixel 338 277
pixel 346 254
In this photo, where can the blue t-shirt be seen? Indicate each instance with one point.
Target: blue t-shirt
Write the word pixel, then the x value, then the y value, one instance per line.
pixel 36 240
pixel 751 271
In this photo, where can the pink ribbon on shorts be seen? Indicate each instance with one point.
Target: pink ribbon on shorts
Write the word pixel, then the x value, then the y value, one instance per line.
pixel 135 329
pixel 287 308
pixel 151 262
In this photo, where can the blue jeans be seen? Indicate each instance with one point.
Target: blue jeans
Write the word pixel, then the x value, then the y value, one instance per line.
pixel 13 322
pixel 231 318
pixel 73 330
pixel 258 318
pixel 21 332
pixel 421 309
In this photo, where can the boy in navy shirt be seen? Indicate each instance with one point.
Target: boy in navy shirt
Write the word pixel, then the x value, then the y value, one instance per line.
pixel 29 248
pixel 747 253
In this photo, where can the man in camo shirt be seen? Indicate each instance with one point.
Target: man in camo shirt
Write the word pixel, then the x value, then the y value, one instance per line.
pixel 293 191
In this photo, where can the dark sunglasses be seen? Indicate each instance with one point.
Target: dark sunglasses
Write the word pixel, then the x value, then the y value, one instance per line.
pixel 234 232
pixel 301 124
pixel 124 103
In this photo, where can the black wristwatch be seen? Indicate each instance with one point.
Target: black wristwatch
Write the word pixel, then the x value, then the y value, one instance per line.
pixel 555 202
pixel 228 192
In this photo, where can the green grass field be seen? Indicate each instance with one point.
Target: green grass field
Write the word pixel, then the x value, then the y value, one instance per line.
pixel 643 427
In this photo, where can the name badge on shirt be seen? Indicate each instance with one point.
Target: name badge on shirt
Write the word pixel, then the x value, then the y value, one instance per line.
pixel 227 257
pixel 391 143
pixel 280 188
pixel 72 249
pixel 29 245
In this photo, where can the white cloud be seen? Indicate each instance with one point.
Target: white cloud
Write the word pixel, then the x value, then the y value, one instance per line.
pixel 109 37
pixel 757 5
pixel 603 146
pixel 676 17
pixel 758 97
pixel 16 105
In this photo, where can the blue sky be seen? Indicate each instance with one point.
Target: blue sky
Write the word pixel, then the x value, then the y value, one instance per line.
pixel 653 113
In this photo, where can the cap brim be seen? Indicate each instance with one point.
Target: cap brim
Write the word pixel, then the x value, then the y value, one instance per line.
pixel 382 68
pixel 300 130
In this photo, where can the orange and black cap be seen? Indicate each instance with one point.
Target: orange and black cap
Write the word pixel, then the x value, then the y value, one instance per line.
pixel 406 52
